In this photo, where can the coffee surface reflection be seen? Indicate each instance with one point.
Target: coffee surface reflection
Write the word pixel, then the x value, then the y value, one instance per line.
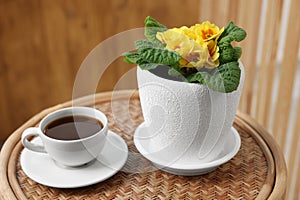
pixel 73 127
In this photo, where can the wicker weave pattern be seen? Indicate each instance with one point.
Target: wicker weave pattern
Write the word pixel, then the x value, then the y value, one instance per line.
pixel 240 178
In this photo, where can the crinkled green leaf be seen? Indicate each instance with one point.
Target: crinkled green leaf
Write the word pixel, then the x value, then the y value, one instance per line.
pixel 144 44
pixel 227 52
pixel 160 56
pixel 237 53
pixel 176 72
pixel 232 33
pixel 152 27
pixel 131 57
pixel 199 77
pixel 148 66
pixel 226 78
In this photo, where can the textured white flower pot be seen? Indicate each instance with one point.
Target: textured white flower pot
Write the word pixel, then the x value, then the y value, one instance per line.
pixel 186 121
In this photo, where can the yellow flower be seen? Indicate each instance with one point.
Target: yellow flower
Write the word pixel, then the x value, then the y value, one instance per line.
pixel 206 31
pixel 209 34
pixel 197 45
pixel 192 53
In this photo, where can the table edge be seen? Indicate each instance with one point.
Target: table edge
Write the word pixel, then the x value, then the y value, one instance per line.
pixel 278 192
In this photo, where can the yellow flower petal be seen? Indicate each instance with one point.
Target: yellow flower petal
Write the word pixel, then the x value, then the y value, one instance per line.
pixel 196 45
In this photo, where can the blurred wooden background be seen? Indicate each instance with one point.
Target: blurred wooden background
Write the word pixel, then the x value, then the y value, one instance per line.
pixel 44 42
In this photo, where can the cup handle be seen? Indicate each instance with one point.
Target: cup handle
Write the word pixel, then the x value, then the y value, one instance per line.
pixel 29 145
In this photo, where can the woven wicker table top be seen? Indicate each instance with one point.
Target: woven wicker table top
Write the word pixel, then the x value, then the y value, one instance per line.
pixel 258 171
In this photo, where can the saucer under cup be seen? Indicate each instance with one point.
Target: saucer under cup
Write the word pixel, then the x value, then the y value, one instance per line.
pixel 42 169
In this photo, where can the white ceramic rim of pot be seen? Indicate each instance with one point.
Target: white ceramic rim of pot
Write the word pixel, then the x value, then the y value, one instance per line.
pixel 69 111
pixel 241 66
pixel 165 79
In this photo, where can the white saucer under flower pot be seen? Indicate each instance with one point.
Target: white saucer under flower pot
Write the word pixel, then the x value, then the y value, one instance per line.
pixel 185 121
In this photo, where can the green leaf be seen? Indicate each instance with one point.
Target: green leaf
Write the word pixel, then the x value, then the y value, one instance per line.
pixel 151 22
pixel 145 44
pixel 148 66
pixel 200 77
pixel 160 56
pixel 176 72
pixel 232 33
pixel 152 27
pixel 237 53
pixel 226 78
pixel 131 57
pixel 227 52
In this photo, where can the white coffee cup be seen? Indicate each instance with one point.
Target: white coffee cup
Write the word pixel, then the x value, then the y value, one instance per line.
pixel 68 152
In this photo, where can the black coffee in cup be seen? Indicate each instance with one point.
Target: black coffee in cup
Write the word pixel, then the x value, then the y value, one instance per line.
pixel 73 127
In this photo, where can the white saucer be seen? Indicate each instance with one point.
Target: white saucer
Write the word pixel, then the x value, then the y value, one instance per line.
pixel 192 167
pixel 42 169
